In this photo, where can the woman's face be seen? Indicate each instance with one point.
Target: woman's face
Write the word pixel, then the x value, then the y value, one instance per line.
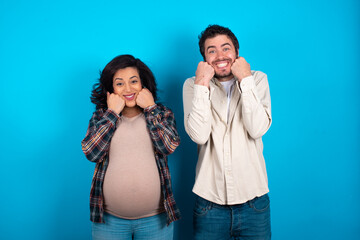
pixel 127 84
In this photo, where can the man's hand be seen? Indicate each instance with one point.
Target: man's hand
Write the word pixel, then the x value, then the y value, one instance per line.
pixel 240 68
pixel 115 102
pixel 145 98
pixel 204 73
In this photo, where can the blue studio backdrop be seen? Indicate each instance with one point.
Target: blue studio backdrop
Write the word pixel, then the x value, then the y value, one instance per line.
pixel 51 53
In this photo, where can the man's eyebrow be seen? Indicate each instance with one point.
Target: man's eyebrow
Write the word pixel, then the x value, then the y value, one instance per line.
pixel 209 47
pixel 225 44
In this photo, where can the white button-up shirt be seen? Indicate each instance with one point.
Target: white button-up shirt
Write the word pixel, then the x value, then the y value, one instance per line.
pixel 231 167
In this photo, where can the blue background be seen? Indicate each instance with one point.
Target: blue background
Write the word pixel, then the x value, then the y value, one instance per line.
pixel 50 56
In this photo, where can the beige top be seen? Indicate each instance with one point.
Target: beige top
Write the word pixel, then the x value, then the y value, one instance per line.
pixel 231 167
pixel 132 183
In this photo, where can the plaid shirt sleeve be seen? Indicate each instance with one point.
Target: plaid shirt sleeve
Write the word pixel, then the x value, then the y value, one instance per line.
pixel 162 126
pixel 101 128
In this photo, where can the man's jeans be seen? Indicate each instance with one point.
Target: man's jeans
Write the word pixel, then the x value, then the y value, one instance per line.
pixel 250 220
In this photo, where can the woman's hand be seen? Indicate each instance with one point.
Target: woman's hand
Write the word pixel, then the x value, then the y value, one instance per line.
pixel 115 102
pixel 145 98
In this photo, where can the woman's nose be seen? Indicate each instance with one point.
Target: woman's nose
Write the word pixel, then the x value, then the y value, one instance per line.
pixel 127 87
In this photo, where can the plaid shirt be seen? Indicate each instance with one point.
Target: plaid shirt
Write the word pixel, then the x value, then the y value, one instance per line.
pixel 161 124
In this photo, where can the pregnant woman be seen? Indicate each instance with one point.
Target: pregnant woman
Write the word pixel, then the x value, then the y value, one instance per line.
pixel 129 138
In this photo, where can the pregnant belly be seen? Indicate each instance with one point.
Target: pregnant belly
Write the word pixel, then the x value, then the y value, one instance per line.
pixel 132 195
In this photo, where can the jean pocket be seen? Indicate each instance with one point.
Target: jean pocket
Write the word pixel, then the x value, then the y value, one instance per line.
pixel 202 206
pixel 260 204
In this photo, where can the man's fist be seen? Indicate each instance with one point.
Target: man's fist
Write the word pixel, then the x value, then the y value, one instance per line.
pixel 240 68
pixel 204 73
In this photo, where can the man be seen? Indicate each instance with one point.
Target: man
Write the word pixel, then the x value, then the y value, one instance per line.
pixel 227 110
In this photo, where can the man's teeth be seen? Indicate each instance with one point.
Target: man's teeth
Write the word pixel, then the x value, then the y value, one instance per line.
pixel 222 64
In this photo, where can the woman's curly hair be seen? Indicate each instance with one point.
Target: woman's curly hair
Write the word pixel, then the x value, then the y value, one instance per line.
pixel 105 84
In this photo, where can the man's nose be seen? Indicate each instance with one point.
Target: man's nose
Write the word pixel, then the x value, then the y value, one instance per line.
pixel 220 54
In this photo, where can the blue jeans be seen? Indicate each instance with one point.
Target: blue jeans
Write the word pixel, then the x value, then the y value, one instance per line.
pixel 139 229
pixel 250 220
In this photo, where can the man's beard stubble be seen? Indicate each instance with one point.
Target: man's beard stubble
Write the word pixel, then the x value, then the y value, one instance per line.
pixel 221 76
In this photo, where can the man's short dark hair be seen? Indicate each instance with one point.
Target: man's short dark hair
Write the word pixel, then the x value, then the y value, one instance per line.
pixel 214 30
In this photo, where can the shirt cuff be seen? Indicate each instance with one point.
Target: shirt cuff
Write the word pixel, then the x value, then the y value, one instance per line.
pixel 247 84
pixel 201 91
pixel 152 114
pixel 111 115
pixel 149 108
